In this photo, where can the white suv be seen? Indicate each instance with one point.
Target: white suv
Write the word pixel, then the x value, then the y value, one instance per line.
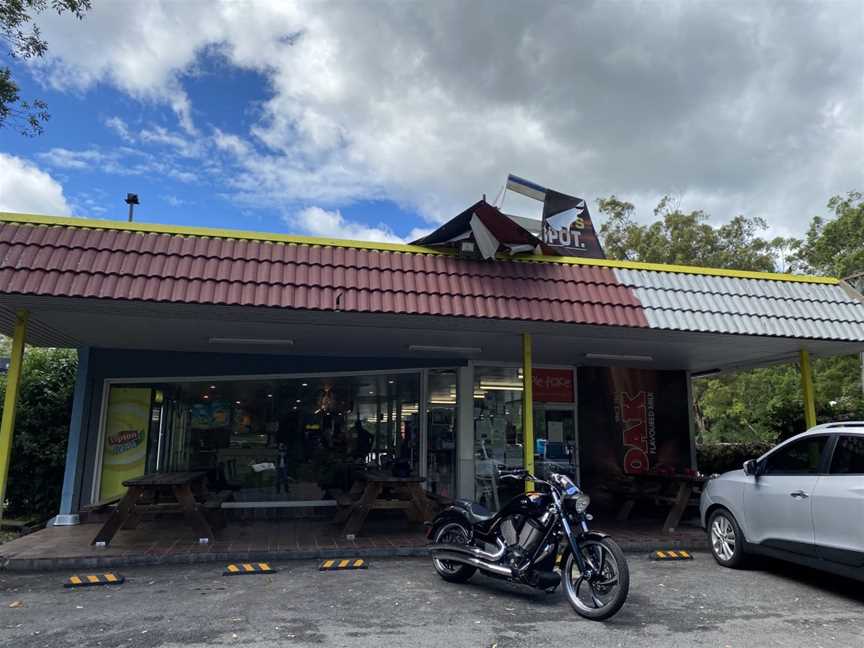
pixel 802 501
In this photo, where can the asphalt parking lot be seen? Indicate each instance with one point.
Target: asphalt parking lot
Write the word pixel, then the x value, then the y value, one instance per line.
pixel 401 602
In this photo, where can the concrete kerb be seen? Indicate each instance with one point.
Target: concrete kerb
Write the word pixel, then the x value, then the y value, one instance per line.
pixel 185 558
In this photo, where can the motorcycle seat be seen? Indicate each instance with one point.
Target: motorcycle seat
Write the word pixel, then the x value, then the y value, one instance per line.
pixel 477 513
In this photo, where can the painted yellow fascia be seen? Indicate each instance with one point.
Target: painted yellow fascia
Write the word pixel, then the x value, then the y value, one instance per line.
pixel 291 239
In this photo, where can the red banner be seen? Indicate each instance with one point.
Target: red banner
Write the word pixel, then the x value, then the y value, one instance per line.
pixel 553 385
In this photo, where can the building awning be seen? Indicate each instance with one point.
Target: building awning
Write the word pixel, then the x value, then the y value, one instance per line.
pixel 118 265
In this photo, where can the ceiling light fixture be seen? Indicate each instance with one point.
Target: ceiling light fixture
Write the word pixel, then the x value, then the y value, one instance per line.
pixel 261 341
pixel 428 348
pixel 501 386
pixel 619 356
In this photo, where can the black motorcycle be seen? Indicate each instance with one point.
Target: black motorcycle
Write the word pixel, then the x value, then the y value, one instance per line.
pixel 522 542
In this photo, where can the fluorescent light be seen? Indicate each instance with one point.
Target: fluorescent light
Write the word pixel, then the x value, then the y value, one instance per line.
pixel 502 386
pixel 443 349
pixel 273 341
pixel 442 401
pixel 616 356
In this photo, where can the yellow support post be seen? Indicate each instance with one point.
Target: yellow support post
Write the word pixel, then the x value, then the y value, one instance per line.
pixel 807 389
pixel 13 381
pixel 527 408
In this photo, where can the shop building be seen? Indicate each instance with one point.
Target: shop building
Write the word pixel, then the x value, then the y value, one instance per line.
pixel 289 363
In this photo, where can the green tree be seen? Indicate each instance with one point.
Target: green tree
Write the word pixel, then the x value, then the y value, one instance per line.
pixel 836 247
pixel 41 431
pixel 22 39
pixel 686 238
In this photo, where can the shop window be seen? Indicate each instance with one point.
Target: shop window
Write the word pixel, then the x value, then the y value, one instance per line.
pixel 498 441
pixel 441 426
pixel 282 439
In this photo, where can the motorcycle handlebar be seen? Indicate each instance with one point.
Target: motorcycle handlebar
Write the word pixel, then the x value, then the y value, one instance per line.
pixel 519 474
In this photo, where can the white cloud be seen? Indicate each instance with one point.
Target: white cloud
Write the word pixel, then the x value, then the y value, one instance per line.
pixel 120 127
pixel 122 161
pixel 26 188
pixel 316 221
pixel 735 107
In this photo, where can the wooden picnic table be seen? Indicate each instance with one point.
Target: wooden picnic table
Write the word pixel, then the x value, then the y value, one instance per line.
pixel 365 496
pixel 148 493
pixel 686 489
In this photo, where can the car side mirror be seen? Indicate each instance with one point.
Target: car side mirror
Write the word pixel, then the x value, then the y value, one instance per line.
pixel 751 468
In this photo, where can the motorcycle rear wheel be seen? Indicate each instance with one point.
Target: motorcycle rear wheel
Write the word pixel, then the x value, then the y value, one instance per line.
pixel 453 572
pixel 604 595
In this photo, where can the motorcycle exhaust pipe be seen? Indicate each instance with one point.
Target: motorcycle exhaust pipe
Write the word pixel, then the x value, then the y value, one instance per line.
pixel 474 562
pixel 473 552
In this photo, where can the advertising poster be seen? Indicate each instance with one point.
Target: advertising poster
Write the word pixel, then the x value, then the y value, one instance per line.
pixel 125 450
pixel 633 421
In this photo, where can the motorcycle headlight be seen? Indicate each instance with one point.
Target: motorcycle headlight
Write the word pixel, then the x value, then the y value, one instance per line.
pixel 580 502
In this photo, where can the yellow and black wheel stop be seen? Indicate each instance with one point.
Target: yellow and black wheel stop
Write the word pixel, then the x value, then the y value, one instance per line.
pixel 94 579
pixel 342 564
pixel 241 569
pixel 671 555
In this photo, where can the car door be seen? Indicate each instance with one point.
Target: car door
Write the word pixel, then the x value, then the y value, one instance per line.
pixel 778 504
pixel 838 504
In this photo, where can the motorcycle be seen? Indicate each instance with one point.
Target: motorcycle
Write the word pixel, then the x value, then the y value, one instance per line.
pixel 523 541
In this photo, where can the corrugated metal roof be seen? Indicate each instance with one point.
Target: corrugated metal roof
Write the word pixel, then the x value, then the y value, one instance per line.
pixel 678 301
pixel 111 264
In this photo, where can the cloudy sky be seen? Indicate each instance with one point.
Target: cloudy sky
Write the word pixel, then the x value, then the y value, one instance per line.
pixel 376 121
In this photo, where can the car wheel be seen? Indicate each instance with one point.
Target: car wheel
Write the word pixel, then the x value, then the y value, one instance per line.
pixel 726 539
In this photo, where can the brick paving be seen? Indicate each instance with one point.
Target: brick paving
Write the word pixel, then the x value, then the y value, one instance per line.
pixel 170 541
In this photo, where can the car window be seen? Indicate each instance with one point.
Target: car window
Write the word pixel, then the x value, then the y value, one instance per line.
pixel 800 457
pixel 848 456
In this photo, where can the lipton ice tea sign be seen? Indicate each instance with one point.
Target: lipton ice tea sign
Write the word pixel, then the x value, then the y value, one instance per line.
pixel 124 452
pixel 640 439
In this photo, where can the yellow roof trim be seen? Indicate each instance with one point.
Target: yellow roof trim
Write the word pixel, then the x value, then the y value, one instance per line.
pixel 667 267
pixel 183 230
pixel 209 232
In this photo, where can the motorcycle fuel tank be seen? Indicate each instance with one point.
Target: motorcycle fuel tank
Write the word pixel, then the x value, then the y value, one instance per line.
pixel 532 504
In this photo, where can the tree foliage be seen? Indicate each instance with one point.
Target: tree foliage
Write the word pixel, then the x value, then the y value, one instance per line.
pixel 22 39
pixel 41 431
pixel 836 247
pixel 686 238
pixel 762 404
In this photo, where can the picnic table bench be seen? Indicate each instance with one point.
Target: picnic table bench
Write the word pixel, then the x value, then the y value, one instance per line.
pixel 162 492
pixel 406 494
pixel 675 491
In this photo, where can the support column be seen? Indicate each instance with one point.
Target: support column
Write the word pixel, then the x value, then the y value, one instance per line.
pixel 75 445
pixel 527 408
pixel 807 390
pixel 465 486
pixel 10 402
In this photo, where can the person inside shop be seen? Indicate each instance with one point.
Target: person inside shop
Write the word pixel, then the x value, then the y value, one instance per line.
pixel 282 477
pixel 363 440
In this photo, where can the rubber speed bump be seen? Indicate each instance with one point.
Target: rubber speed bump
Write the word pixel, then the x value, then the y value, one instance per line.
pixel 671 555
pixel 342 564
pixel 241 569
pixel 94 579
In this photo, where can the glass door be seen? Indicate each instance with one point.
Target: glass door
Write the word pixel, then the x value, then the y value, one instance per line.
pixel 555 444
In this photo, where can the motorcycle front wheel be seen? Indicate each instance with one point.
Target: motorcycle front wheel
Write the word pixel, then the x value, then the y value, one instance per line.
pixel 602 595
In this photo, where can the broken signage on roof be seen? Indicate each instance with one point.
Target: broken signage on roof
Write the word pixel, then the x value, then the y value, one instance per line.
pixel 567 228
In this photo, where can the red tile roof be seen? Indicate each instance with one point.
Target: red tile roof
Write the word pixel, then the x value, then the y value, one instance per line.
pixel 80 261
